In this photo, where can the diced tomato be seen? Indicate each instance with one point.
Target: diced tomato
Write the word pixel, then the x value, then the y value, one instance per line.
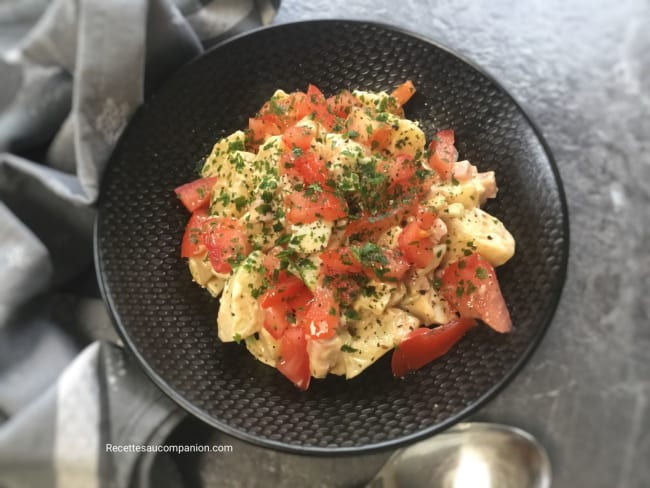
pixel 423 345
pixel 263 126
pixel 275 320
pixel 284 303
pixel 300 106
pixel 281 291
pixel 340 260
pixel 294 359
pixel 404 92
pixel 443 154
pixel 304 208
pixel 384 264
pixel 320 109
pixel 196 194
pixel 321 318
pixel 271 263
pixel 308 167
pixel 380 137
pixel 315 96
pixel 341 103
pixel 298 136
pixel 401 173
pixel 299 301
pixel 470 285
pixel 192 244
pixel 397 265
pixel 416 244
pixel 425 217
pixel 376 224
pixel 225 241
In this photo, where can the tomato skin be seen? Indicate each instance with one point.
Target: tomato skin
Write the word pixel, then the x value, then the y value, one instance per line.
pixel 397 265
pixel 263 126
pixel 340 260
pixel 416 244
pixel 288 297
pixel 305 209
pixel 281 291
pixel 192 244
pixel 393 269
pixel 321 317
pixel 443 154
pixel 275 320
pixel 425 217
pixel 196 194
pixel 224 239
pixel 341 103
pixel 307 167
pixel 376 224
pixel 470 285
pixel 297 136
pixel 404 92
pixel 424 345
pixel 294 359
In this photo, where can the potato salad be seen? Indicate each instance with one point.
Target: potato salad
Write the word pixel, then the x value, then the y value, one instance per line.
pixel 333 234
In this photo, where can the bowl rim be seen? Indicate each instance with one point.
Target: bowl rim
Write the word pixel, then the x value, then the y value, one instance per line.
pixel 393 443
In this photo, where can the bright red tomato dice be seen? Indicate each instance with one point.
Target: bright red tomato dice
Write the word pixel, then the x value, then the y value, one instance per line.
pixel 304 207
pixel 225 241
pixel 196 194
pixel 416 245
pixel 294 359
pixel 423 345
pixel 470 285
pixel 321 317
pixel 192 244
pixel 442 153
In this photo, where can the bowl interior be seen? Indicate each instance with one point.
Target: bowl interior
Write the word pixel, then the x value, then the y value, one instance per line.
pixel 170 323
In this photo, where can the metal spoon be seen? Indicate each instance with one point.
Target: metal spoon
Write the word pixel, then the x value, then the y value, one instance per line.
pixel 470 455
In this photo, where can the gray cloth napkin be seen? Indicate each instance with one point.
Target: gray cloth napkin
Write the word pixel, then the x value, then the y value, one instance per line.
pixel 67 90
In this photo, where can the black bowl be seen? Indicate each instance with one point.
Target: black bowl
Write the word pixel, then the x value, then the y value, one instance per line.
pixel 169 323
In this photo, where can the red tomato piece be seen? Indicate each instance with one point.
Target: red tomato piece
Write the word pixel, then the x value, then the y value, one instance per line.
pixel 404 92
pixel 383 264
pixel 263 126
pixel 381 136
pixel 225 241
pixel 275 320
pixel 196 194
pixel 397 265
pixel 320 108
pixel 425 217
pixel 341 103
pixel 376 224
pixel 304 208
pixel 340 260
pixel 308 167
pixel 423 345
pixel 470 285
pixel 321 318
pixel 289 286
pixel 297 136
pixel 294 359
pixel 192 244
pixel 443 154
pixel 300 106
pixel 416 244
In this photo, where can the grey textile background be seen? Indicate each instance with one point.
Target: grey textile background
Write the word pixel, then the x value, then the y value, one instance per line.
pixel 67 90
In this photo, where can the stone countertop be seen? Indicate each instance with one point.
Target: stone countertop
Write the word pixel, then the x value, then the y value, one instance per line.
pixel 582 71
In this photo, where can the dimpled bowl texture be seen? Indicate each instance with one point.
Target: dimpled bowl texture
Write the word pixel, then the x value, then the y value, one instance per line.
pixel 169 322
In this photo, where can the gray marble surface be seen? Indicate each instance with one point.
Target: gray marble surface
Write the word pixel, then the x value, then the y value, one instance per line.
pixel 582 70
